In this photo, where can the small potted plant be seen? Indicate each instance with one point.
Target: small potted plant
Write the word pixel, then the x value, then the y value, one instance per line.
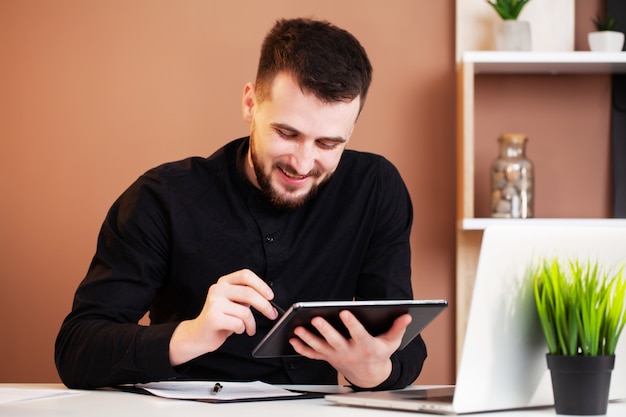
pixel 581 308
pixel 511 34
pixel 605 38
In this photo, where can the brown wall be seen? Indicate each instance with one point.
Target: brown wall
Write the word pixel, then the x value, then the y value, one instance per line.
pixel 93 93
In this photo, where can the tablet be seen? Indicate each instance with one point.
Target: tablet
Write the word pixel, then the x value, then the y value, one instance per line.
pixel 376 316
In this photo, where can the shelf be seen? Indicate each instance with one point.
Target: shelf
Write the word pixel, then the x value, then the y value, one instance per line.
pixel 577 62
pixel 483 223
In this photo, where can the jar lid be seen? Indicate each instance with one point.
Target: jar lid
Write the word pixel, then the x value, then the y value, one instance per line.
pixel 513 137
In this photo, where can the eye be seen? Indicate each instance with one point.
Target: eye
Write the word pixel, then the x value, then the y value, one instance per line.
pixel 327 144
pixel 287 134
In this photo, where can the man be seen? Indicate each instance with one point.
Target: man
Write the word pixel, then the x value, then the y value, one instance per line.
pixel 285 215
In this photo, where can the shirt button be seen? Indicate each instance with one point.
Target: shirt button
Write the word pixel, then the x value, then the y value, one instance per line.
pixel 292 366
pixel 271 283
pixel 269 239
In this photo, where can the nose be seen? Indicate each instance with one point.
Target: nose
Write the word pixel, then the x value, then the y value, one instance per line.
pixel 304 157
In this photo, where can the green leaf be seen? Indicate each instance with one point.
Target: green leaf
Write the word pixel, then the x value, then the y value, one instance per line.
pixel 604 23
pixel 581 306
pixel 508 9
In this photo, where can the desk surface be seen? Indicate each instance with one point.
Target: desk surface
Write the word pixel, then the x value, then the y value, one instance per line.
pixel 122 404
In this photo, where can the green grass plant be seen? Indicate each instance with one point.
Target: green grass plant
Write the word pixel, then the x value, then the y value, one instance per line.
pixel 604 23
pixel 508 9
pixel 581 306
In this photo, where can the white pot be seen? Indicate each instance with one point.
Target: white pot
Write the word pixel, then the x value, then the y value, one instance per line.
pixel 512 35
pixel 606 41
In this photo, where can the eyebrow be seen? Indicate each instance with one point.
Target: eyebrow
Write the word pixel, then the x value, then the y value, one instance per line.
pixel 337 139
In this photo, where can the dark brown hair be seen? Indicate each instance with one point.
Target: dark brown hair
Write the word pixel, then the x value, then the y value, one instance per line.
pixel 326 61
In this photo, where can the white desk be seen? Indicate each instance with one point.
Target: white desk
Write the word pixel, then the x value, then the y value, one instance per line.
pixel 122 404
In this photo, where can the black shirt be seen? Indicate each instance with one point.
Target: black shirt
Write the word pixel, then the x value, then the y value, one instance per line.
pixel 183 225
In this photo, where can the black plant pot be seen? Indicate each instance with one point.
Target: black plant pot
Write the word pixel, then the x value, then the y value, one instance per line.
pixel 581 383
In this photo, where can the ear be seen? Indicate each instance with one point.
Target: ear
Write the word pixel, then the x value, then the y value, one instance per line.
pixel 248 102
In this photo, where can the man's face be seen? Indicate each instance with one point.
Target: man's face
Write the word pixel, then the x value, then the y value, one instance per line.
pixel 296 140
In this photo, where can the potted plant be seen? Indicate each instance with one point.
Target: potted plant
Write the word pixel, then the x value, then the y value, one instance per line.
pixel 511 34
pixel 605 38
pixel 581 308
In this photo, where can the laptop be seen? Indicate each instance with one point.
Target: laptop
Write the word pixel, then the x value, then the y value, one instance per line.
pixel 503 361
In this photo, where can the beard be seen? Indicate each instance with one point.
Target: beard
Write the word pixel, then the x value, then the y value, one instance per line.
pixel 282 200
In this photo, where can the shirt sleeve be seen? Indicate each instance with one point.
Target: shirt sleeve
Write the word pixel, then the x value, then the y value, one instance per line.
pixel 100 342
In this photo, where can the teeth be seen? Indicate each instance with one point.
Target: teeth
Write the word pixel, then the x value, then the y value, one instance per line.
pixel 295 177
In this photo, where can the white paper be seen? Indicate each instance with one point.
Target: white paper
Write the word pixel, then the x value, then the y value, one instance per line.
pixel 203 390
pixel 11 395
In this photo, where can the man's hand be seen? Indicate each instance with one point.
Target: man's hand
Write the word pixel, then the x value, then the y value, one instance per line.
pixel 226 311
pixel 363 359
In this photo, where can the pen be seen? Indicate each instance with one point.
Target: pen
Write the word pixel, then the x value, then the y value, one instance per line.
pixel 277 307
pixel 216 388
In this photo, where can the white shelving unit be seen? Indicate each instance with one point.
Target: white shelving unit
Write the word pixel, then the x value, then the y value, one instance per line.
pixel 578 62
pixel 470 228
pixel 491 62
pixel 482 223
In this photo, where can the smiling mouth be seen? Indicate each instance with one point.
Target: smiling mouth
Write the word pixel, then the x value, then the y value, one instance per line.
pixel 289 173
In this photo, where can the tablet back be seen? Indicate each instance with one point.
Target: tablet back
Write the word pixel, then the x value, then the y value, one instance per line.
pixel 376 316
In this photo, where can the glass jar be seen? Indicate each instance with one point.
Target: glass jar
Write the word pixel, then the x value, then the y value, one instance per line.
pixel 512 179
